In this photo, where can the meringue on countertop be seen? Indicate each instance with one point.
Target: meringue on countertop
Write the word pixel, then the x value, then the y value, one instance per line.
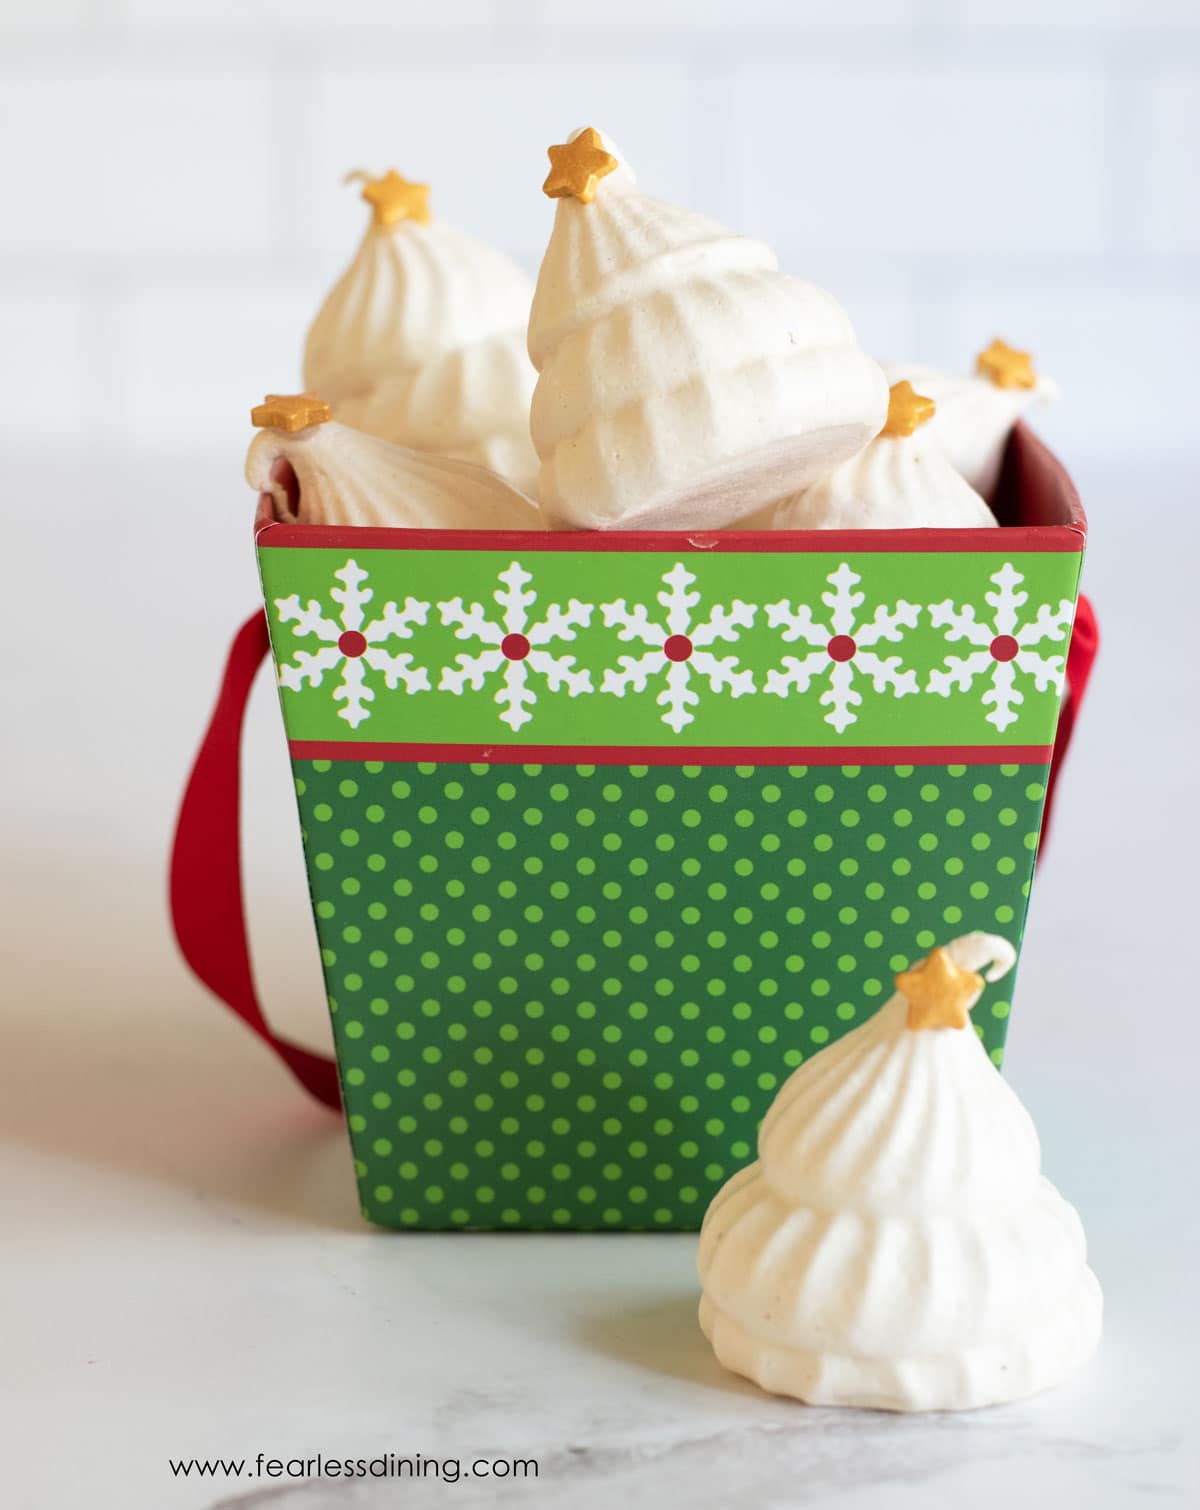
pixel 899 481
pixel 975 415
pixel 895 1245
pixel 683 380
pixel 422 339
pixel 319 471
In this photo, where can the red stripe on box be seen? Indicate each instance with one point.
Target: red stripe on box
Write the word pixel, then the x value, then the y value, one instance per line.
pixel 1051 538
pixel 724 755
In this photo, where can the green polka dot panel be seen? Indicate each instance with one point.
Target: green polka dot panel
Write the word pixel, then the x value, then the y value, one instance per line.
pixel 564 996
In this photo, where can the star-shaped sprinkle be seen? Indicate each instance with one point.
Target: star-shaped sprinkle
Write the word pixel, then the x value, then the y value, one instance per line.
pixel 394 199
pixel 289 411
pixel 939 993
pixel 578 166
pixel 1006 367
pixel 907 410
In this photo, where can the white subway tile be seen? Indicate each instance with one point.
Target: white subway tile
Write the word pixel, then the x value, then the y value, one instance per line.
pixel 479 138
pixel 41 386
pixel 37 13
pixel 129 163
pixel 932 161
pixel 1086 15
pixel 1124 361
pixel 731 15
pixel 314 15
pixel 200 358
pixel 1173 164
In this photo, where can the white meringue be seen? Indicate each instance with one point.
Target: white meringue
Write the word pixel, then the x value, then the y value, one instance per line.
pixel 683 380
pixel 422 341
pixel 895 1245
pixel 975 417
pixel 347 477
pixel 897 482
pixel 471 404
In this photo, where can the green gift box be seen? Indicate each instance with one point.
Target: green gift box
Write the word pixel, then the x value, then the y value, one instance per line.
pixel 607 832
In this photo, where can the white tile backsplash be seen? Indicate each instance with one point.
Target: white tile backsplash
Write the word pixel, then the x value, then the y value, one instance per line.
pixel 949 168
pixel 41 377
pixel 119 163
pixel 920 163
pixel 201 358
pixel 1173 164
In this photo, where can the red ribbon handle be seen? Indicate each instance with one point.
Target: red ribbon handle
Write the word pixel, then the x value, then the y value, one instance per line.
pixel 1081 657
pixel 206 874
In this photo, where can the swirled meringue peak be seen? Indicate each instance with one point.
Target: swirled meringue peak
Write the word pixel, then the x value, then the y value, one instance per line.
pixel 471 404
pixel 424 316
pixel 901 480
pixel 976 414
pixel 329 473
pixel 895 1245
pixel 683 379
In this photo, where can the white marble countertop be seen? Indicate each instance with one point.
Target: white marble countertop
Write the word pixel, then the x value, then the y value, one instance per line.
pixel 185 1273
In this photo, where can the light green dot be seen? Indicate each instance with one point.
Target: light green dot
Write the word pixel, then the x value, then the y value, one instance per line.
pixel 322 812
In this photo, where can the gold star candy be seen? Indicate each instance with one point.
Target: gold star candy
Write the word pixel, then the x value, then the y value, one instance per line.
pixel 577 167
pixel 907 410
pixel 939 993
pixel 289 411
pixel 1006 367
pixel 393 199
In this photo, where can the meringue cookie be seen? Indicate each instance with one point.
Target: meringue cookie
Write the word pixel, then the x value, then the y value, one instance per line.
pixel 895 1245
pixel 683 380
pixel 343 476
pixel 899 481
pixel 422 339
pixel 975 415
pixel 471 404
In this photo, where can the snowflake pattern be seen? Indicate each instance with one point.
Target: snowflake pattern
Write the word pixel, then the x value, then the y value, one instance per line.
pixel 353 643
pixel 513 646
pixel 842 648
pixel 1003 648
pixel 678 647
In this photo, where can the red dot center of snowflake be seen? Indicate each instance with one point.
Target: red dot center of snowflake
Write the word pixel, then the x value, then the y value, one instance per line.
pixel 1004 648
pixel 514 647
pixel 351 644
pixel 841 648
pixel 678 647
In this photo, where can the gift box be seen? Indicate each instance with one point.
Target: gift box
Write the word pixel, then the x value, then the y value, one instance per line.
pixel 606 832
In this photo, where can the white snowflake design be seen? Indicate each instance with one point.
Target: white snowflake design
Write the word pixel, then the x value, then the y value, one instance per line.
pixel 842 648
pixel 352 643
pixel 679 647
pixel 514 646
pixel 1003 646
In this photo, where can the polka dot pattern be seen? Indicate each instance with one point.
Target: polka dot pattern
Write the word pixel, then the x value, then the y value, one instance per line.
pixel 564 996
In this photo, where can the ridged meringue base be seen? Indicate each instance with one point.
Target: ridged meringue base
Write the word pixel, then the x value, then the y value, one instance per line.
pixel 1012 1370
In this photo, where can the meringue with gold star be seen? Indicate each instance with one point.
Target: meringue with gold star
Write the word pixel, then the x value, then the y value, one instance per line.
pixel 318 471
pixel 683 380
pixel 900 481
pixel 976 413
pixel 422 339
pixel 896 1246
